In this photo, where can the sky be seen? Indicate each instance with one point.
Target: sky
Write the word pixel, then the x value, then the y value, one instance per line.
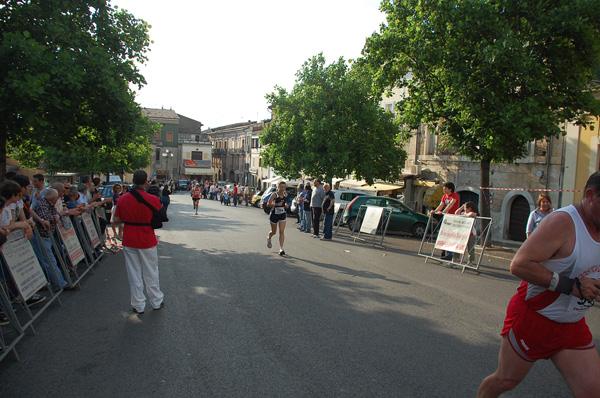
pixel 214 61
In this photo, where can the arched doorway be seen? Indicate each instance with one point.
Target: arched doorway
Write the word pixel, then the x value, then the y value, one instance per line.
pixel 468 196
pixel 519 213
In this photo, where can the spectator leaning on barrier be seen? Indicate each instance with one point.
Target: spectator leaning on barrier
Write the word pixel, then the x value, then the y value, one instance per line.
pixel 18 208
pixel 469 209
pixel 38 189
pixel 11 191
pixel 47 211
pixel 83 193
pixel 87 181
pixel 448 205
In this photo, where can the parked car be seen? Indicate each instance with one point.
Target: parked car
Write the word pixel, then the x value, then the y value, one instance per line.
pixel 343 196
pixel 291 191
pixel 403 218
pixel 265 197
pixel 255 199
pixel 184 185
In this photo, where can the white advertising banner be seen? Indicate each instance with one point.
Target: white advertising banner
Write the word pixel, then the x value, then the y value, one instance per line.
pixel 371 220
pixel 23 264
pixel 90 228
pixel 71 242
pixel 454 233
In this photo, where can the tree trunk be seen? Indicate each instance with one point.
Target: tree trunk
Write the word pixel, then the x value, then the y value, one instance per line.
pixel 484 197
pixel 2 156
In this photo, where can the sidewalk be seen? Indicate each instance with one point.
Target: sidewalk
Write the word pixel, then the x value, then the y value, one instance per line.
pixel 408 243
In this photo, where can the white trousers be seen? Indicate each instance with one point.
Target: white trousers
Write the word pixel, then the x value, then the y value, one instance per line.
pixel 142 267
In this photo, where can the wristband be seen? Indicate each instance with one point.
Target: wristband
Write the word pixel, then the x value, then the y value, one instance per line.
pixel 565 285
pixel 579 288
pixel 553 282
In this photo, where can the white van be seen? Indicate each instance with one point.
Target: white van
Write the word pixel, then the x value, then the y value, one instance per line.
pixel 345 196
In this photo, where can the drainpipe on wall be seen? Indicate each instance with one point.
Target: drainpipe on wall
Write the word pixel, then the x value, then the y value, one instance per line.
pixel 561 175
pixel 548 156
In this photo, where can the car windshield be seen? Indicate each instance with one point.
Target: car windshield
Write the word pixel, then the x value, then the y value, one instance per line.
pixel 373 202
pixel 394 204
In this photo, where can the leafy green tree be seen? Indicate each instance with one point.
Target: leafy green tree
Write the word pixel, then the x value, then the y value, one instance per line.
pixel 490 76
pixel 331 125
pixel 65 72
pixel 125 158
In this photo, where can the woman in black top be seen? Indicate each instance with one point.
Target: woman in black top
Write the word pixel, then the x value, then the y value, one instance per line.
pixel 278 216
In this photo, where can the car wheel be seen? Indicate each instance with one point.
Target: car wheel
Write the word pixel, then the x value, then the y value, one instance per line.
pixel 418 230
pixel 351 222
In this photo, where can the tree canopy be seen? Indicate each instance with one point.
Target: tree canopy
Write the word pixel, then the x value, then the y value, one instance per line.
pixel 330 125
pixel 65 70
pixel 490 76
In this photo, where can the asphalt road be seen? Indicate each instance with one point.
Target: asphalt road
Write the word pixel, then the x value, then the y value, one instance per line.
pixel 331 319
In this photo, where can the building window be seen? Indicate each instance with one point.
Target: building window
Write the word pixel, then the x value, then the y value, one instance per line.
pixel 157 135
pixel 196 155
pixel 157 155
pixel 170 137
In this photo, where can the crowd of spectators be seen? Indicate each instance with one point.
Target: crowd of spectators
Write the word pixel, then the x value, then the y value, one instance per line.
pixel 25 205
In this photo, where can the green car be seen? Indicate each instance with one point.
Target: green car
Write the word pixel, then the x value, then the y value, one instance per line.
pixel 403 218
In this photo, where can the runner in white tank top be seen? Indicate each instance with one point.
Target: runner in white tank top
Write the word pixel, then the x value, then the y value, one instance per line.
pixel 560 266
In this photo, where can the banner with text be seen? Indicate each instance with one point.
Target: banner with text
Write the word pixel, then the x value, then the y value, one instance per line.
pixel 23 264
pixel 371 220
pixel 90 228
pixel 454 233
pixel 71 242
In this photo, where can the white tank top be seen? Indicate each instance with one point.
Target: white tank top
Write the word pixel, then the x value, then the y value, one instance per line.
pixel 584 261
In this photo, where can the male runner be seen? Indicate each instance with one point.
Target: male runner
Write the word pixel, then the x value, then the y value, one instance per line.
pixel 560 266
pixel 196 192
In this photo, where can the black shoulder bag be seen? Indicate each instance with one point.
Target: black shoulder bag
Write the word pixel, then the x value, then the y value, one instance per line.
pixel 158 217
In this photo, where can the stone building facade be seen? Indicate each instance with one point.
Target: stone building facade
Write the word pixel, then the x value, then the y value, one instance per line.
pixel 557 166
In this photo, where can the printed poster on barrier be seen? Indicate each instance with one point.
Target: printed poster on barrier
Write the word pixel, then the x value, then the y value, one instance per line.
pixel 71 242
pixel 90 228
pixel 23 264
pixel 454 233
pixel 102 212
pixel 371 220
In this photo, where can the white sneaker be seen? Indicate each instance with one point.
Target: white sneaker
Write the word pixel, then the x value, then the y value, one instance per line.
pixel 269 245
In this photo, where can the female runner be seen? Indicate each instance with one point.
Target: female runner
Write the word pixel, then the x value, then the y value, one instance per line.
pixel 278 216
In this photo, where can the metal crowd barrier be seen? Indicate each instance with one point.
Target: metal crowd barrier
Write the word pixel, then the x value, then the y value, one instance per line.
pixel 379 229
pixel 78 245
pixel 429 243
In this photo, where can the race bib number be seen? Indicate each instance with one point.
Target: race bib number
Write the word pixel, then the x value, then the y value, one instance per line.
pixel 279 210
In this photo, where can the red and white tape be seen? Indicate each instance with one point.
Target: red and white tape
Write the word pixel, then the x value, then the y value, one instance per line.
pixel 534 190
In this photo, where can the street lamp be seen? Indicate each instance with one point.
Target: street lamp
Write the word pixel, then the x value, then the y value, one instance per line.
pixel 168 154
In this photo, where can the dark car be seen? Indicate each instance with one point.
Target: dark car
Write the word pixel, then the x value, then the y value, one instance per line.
pixel 291 191
pixel 403 218
pixel 184 185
